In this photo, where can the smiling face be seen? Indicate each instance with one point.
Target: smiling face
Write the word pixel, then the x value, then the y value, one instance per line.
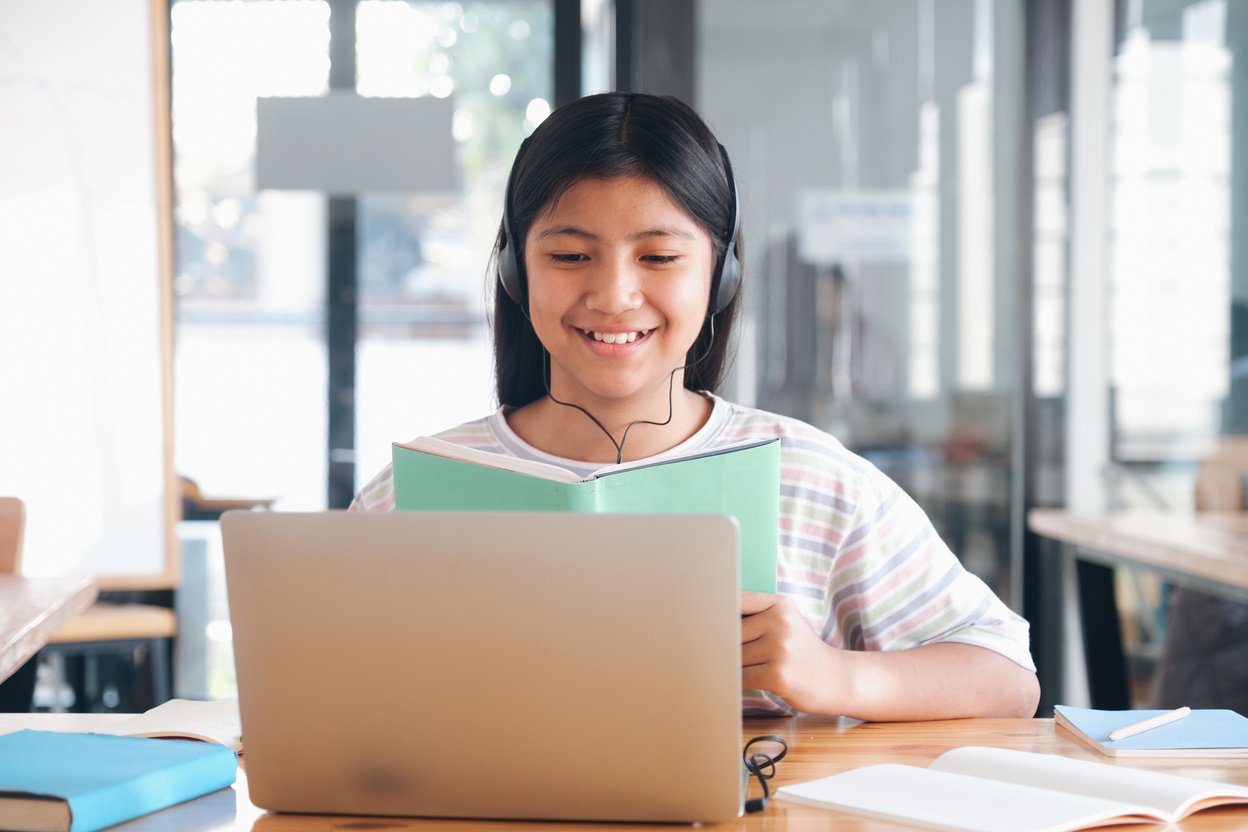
pixel 619 278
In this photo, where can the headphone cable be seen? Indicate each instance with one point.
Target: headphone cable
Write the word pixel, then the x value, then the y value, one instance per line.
pixel 671 385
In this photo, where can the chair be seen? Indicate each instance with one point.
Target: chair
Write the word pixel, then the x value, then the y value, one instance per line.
pixel 1205 660
pixel 15 692
pixel 106 628
pixel 128 622
pixel 12 530
pixel 1223 476
pixel 124 633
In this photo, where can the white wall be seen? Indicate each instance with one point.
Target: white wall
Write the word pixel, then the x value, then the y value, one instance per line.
pixel 81 428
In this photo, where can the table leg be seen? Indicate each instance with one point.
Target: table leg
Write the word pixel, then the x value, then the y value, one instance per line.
pixel 1102 637
pixel 17 692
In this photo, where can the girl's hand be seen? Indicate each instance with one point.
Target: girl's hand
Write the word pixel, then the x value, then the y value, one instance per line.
pixel 781 654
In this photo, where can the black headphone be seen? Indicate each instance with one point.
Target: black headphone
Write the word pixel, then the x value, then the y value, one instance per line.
pixel 724 283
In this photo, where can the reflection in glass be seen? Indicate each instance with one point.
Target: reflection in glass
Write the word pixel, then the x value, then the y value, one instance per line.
pixel 250 365
pixel 424 361
pixel 872 152
pixel 1169 253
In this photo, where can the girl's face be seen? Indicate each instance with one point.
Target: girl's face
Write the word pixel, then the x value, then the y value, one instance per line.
pixel 619 279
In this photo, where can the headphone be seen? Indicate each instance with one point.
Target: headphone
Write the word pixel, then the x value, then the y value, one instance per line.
pixel 724 282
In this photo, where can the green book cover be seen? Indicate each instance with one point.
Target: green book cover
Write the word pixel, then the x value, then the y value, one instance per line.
pixel 742 481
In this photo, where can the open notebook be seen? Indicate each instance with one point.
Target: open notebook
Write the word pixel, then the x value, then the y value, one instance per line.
pixel 993 789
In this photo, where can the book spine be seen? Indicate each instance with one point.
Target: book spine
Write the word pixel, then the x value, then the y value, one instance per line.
pixel 153 791
pixel 586 498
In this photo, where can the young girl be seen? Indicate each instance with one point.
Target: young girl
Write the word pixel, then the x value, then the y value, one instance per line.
pixel 618 264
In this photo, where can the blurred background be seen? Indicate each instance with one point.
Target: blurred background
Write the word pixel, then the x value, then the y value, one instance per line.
pixel 991 246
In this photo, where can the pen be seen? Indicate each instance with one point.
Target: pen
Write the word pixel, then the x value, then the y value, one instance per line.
pixel 1148 724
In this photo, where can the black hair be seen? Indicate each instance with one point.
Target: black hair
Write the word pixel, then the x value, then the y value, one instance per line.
pixel 658 138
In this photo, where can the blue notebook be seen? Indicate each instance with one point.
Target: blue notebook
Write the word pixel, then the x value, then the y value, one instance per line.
pixel 84 782
pixel 1205 733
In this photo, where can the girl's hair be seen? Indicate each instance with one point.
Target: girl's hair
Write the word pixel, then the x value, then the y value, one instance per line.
pixel 658 138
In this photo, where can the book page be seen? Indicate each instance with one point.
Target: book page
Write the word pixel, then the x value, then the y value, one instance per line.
pixel 555 473
pixel 449 450
pixel 945 800
pixel 216 721
pixel 1169 795
pixel 677 455
pixel 34 812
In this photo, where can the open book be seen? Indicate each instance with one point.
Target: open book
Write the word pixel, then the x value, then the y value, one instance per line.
pixel 216 721
pixel 991 789
pixel 1207 732
pixel 740 480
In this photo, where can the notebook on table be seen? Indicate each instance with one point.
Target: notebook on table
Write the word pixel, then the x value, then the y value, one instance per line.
pixel 1206 732
pixel 488 665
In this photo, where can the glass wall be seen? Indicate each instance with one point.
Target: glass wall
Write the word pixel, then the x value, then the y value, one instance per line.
pixel 250 367
pixel 251 355
pixel 1177 334
pixel 877 147
pixel 1170 247
pixel 424 353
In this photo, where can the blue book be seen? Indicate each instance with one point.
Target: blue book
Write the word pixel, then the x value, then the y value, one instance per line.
pixel 1206 732
pixel 58 782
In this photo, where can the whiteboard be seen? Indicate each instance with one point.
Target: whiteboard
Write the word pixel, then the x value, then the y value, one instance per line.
pixel 82 427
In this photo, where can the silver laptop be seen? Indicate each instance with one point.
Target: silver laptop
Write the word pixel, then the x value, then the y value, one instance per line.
pixel 489 665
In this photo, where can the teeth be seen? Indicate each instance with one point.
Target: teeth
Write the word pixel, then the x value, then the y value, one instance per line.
pixel 617 337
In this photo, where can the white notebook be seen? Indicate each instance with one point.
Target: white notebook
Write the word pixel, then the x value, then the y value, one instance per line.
pixel 990 789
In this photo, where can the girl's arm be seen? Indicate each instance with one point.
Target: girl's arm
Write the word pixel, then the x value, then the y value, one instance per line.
pixel 780 653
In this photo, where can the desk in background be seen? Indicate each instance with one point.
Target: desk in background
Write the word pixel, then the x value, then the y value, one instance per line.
pixel 817 748
pixel 32 610
pixel 1206 551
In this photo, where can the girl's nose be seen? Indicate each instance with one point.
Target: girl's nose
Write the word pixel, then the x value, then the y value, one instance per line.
pixel 614 288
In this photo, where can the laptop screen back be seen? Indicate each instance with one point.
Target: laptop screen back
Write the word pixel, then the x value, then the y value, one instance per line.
pixel 491 665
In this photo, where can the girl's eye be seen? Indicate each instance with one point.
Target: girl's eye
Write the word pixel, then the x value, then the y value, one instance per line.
pixel 568 258
pixel 661 258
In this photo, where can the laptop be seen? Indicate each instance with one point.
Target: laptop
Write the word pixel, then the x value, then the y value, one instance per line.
pixel 541 666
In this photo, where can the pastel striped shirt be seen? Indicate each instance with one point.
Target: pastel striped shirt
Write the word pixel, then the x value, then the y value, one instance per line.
pixel 856 554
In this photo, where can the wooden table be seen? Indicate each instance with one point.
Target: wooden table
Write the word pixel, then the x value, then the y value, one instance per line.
pixel 32 609
pixel 817 747
pixel 1206 551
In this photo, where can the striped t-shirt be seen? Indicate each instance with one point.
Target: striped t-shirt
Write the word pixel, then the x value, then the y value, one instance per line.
pixel 856 554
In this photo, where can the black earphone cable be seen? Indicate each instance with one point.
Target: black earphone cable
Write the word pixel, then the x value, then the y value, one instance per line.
pixel 671 386
pixel 762 766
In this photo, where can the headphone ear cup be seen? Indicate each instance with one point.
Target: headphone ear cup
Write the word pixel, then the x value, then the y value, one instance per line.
pixel 730 269
pixel 510 269
pixel 509 272
pixel 729 280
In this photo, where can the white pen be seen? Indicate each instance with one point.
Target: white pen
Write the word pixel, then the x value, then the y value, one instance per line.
pixel 1148 724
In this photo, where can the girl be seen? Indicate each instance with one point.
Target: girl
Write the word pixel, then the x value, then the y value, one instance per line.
pixel 618 265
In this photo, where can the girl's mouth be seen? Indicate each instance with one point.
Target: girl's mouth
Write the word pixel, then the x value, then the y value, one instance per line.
pixel 616 337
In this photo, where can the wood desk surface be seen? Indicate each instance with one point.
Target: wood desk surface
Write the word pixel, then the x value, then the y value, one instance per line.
pixel 32 609
pixel 1210 547
pixel 817 748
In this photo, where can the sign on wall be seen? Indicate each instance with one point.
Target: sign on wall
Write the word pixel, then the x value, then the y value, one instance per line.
pixel 835 226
